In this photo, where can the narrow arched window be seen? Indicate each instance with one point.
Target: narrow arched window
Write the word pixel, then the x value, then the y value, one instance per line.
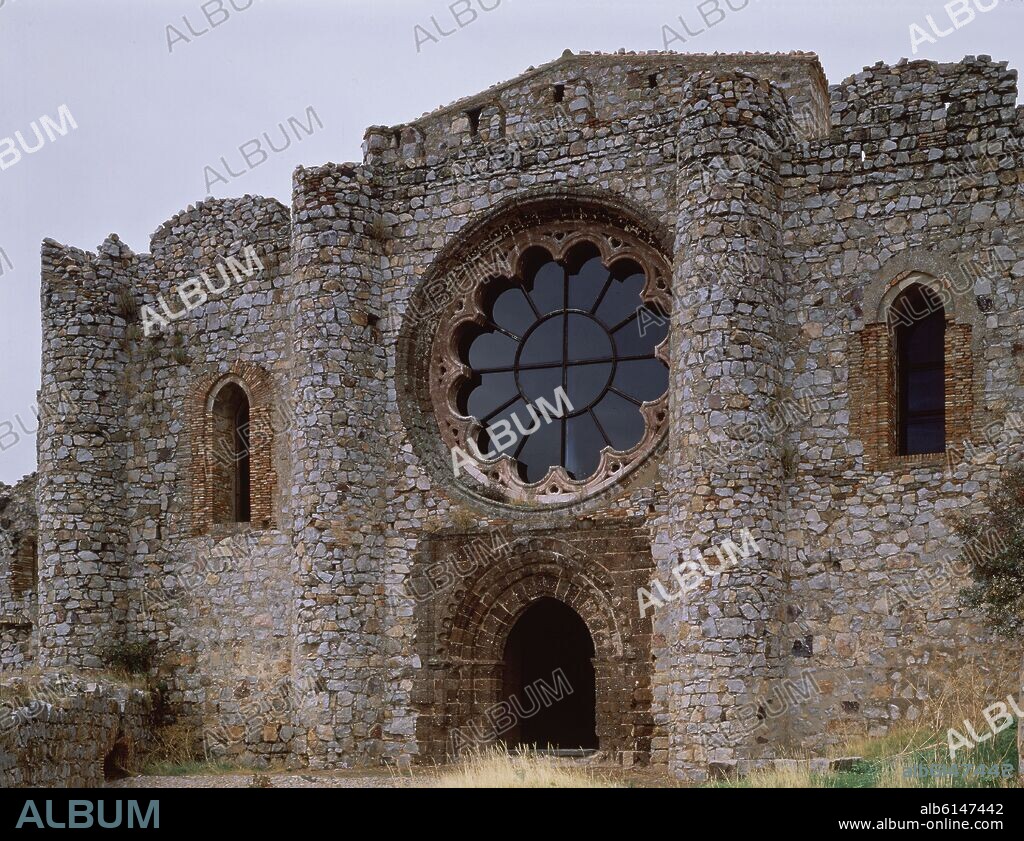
pixel 231 491
pixel 25 569
pixel 918 322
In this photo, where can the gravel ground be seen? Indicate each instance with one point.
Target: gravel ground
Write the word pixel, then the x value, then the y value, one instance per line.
pixel 338 779
pixel 638 778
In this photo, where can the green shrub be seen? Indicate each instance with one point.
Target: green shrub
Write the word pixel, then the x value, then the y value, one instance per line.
pixel 133 658
pixel 994 553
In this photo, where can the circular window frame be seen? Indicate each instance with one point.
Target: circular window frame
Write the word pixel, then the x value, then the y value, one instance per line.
pixel 447 371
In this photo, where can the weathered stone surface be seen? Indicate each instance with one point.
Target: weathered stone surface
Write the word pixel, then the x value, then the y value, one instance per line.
pixel 70 733
pixel 789 211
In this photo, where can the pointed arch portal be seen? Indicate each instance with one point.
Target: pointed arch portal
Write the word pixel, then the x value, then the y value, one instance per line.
pixel 537 642
pixel 549 680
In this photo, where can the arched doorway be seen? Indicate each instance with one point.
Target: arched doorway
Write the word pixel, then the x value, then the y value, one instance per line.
pixel 470 635
pixel 549 679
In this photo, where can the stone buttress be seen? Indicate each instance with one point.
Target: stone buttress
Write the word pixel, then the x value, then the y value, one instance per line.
pixel 84 571
pixel 721 637
pixel 340 453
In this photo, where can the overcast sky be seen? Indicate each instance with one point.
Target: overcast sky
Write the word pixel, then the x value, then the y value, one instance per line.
pixel 155 107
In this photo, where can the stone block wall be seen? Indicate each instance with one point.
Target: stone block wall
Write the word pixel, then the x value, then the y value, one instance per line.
pixel 72 734
pixel 216 600
pixel 724 647
pixel 921 174
pixel 18 574
pixel 340 455
pixel 84 570
pixel 789 212
pixel 218 613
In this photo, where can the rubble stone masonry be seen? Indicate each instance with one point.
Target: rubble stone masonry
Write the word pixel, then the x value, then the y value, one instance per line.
pixel 791 212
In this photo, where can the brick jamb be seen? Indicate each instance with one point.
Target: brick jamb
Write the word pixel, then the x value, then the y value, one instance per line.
pixel 257 385
pixel 873 391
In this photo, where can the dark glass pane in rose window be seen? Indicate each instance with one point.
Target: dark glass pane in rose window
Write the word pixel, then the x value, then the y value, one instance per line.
pixel 621 420
pixel 587 339
pixel 513 312
pixel 586 384
pixel 541 451
pixel 585 286
pixel 621 299
pixel 644 379
pixel 549 288
pixel 570 348
pixel 502 439
pixel 544 343
pixel 540 383
pixel 494 390
pixel 492 350
pixel 583 443
pixel 630 342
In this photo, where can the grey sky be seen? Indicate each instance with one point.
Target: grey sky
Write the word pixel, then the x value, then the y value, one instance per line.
pixel 149 119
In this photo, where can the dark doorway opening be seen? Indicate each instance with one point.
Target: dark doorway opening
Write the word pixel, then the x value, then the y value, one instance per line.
pixel 115 763
pixel 549 679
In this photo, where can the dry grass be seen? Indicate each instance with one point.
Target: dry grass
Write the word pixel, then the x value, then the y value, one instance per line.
pixel 177 750
pixel 787 776
pixel 497 768
pixel 174 745
pixel 33 683
pixel 968 690
pixel 962 695
pixel 892 760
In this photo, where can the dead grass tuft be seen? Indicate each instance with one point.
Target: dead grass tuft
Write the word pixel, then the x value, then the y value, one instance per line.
pixel 497 768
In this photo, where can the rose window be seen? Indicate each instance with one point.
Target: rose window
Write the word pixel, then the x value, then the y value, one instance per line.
pixel 556 373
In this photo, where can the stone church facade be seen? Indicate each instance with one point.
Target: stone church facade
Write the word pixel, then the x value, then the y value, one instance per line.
pixel 786 319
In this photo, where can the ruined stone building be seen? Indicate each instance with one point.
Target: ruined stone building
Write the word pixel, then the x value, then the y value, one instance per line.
pixel 317 457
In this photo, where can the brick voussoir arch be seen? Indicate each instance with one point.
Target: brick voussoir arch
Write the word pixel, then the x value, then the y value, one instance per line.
pixel 481 617
pixel 873 386
pixel 257 384
pixel 481 620
pixel 467 629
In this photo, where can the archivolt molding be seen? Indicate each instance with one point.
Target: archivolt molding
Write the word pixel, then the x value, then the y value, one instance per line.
pixel 480 618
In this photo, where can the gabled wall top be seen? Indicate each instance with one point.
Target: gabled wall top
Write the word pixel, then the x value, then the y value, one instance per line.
pixel 592 89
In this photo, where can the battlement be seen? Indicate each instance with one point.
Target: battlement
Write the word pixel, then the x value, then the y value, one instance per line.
pixel 192 240
pixel 966 100
pixel 64 261
pixel 590 91
pixel 317 187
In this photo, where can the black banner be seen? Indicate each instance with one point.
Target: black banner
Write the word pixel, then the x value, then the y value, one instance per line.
pixel 793 812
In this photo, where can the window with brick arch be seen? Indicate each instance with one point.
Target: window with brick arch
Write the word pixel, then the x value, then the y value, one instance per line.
pixel 918 323
pixel 231 481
